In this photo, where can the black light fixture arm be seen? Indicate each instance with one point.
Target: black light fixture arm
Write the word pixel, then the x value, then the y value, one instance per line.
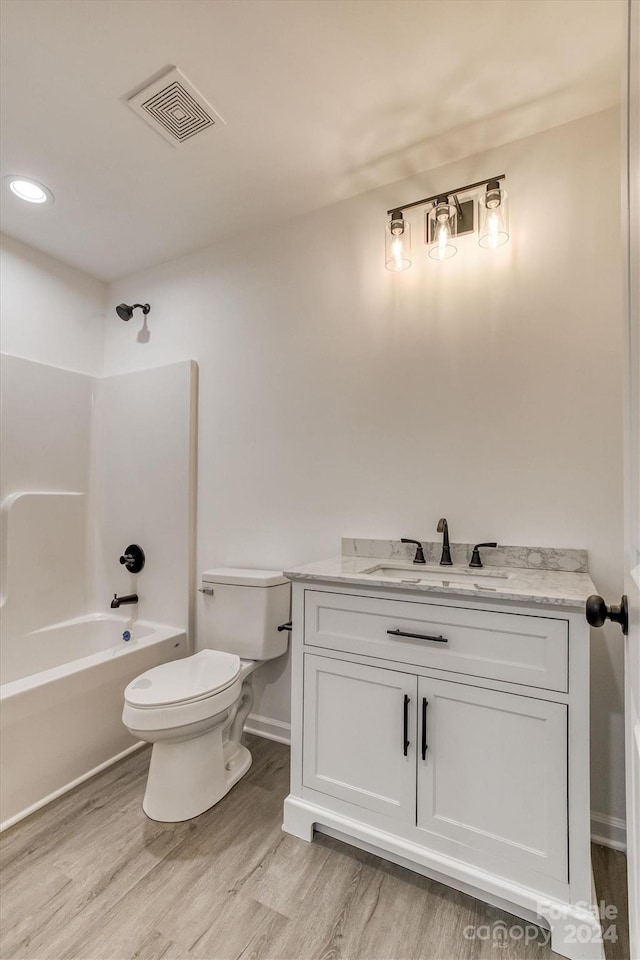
pixel 449 193
pixel 458 207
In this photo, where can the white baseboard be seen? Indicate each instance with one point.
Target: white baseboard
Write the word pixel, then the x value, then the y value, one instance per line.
pixel 68 786
pixel 269 729
pixel 608 831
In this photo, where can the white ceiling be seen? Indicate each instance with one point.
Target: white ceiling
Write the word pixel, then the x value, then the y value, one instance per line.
pixel 323 99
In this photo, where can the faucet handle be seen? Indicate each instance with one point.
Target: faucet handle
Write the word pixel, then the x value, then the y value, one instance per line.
pixel 476 560
pixel 133 558
pixel 419 557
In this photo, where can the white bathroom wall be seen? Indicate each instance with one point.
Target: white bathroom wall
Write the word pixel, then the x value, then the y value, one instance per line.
pixel 144 489
pixel 49 312
pixel 339 399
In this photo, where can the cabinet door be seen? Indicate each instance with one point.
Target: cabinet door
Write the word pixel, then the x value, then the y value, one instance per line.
pixel 355 748
pixel 494 775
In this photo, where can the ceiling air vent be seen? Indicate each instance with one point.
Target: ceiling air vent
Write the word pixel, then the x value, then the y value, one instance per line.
pixel 173 107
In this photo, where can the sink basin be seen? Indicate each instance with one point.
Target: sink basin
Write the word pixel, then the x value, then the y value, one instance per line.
pixel 447 576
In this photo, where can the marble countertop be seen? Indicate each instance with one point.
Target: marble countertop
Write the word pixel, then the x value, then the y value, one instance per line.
pixel 551 587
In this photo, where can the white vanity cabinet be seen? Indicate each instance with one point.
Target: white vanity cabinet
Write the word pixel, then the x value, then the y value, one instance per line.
pixel 355 750
pixel 493 777
pixel 468 765
pixel 451 736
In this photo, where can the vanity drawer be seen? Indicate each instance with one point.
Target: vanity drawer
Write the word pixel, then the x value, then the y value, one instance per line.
pixel 499 646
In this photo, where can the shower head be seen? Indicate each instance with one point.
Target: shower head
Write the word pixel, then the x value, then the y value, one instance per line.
pixel 125 312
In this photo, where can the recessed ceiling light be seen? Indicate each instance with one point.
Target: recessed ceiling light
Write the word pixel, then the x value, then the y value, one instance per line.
pixel 29 190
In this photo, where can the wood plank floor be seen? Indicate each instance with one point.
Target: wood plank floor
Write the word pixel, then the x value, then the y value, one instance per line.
pixel 91 877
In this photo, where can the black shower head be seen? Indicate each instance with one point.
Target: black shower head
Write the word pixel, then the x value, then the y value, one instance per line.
pixel 125 312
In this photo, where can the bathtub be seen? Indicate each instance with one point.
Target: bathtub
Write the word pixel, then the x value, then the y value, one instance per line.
pixel 63 724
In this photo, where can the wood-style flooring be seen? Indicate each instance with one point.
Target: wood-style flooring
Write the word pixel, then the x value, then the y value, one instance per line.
pixel 91 877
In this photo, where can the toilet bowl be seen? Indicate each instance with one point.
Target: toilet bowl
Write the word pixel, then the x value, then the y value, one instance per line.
pixel 193 710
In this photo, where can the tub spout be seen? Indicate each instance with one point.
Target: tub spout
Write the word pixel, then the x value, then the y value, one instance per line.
pixel 118 601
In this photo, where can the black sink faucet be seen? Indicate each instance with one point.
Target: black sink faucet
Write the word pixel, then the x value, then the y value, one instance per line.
pixel 419 557
pixel 443 528
pixel 118 601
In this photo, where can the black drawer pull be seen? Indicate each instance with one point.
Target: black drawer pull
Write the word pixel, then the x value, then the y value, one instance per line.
pixel 417 636
pixel 425 704
pixel 285 626
pixel 405 728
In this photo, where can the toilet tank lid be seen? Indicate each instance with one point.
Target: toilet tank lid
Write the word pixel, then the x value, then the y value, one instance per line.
pixel 243 577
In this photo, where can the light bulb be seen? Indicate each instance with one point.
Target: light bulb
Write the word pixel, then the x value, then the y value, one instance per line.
pixel 493 227
pixel 443 236
pixel 494 217
pixel 397 249
pixel 397 243
pixel 441 228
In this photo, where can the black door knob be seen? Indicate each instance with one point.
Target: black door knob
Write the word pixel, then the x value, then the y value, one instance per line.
pixel 597 612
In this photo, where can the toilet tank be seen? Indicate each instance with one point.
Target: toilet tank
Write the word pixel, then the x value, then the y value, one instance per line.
pixel 244 611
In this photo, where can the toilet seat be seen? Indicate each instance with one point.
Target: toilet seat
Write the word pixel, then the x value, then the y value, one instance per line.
pixel 186 681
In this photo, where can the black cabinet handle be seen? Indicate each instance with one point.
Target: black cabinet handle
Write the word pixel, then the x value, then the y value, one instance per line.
pixel 285 626
pixel 405 728
pixel 417 636
pixel 425 704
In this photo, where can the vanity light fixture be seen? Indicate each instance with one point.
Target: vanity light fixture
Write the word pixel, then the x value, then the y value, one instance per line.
pixel 397 242
pixel 449 217
pixel 30 190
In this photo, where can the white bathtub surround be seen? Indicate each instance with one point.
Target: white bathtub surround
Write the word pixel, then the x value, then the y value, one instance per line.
pixel 145 474
pixel 43 555
pixel 62 723
pixel 45 481
pixel 448 730
pixel 87 467
pixel 532 558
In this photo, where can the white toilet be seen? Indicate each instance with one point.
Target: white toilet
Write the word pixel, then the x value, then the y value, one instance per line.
pixel 193 710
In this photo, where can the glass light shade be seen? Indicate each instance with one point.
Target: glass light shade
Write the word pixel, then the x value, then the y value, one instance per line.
pixel 493 229
pixel 398 244
pixel 441 229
